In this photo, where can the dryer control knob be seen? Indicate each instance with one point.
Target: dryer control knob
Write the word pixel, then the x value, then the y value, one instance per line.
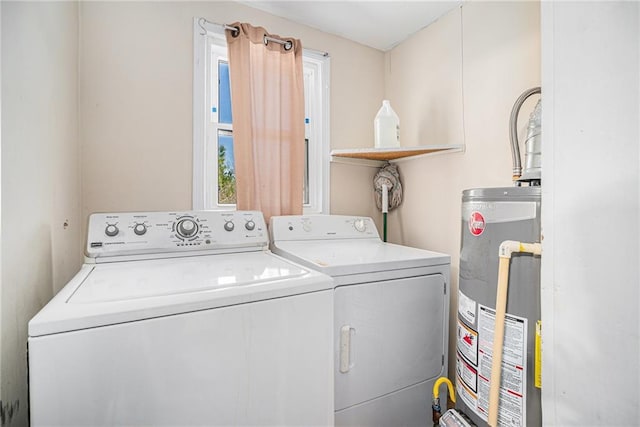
pixel 140 229
pixel 229 226
pixel 250 225
pixel 360 225
pixel 187 228
pixel 111 230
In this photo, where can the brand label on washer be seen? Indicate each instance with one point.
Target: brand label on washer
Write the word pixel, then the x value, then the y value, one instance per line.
pixel 476 223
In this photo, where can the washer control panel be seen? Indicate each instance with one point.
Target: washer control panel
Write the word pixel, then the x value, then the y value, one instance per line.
pixel 140 233
pixel 315 227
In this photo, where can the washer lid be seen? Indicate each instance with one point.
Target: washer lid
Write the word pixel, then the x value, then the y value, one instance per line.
pixel 351 256
pixel 130 280
pixel 106 294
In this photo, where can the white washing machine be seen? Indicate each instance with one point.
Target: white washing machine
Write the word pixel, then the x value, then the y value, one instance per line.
pixel 391 316
pixel 184 318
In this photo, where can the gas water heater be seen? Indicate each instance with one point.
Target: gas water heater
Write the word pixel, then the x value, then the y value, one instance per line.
pixel 491 216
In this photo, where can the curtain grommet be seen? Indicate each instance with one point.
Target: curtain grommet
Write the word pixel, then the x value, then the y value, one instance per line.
pixel 235 32
pixel 288 45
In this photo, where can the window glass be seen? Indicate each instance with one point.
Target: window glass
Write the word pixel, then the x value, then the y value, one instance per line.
pixel 224 93
pixel 226 171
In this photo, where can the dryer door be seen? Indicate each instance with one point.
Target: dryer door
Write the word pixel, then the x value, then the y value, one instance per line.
pixel 388 335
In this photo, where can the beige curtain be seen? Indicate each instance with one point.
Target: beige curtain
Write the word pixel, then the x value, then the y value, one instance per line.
pixel 267 98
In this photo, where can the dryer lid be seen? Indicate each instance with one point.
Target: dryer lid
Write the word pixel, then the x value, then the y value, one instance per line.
pixel 351 256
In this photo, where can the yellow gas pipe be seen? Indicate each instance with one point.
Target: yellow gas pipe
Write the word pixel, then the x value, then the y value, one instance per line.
pixel 451 398
pixel 504 253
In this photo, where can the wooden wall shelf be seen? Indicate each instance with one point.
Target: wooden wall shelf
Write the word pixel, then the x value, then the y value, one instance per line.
pixel 392 154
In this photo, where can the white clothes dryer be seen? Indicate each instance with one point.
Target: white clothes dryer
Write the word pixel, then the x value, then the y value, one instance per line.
pixel 391 316
pixel 184 318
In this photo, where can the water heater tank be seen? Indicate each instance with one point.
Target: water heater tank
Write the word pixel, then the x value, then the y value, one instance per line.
pixel 489 217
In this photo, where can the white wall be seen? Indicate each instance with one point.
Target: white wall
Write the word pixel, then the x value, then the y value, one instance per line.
pixel 136 101
pixel 454 82
pixel 590 214
pixel 40 175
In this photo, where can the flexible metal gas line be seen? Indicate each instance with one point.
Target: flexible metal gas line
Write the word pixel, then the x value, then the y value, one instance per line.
pixel 513 130
pixel 451 398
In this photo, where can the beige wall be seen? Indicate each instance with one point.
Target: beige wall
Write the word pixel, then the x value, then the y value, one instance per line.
pixel 454 82
pixel 136 91
pixel 40 175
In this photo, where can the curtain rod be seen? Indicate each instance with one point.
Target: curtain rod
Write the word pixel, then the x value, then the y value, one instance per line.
pixel 235 30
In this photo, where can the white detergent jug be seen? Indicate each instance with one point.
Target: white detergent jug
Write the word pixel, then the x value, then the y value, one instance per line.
pixel 386 127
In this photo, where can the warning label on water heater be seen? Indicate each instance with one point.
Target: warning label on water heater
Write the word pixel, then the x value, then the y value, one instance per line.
pixel 467 343
pixel 472 379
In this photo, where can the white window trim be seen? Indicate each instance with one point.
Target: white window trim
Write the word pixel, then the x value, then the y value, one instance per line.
pixel 317 129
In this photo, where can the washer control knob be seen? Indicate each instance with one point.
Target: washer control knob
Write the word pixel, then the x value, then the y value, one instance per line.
pixel 360 225
pixel 187 228
pixel 111 230
pixel 229 225
pixel 140 229
pixel 250 225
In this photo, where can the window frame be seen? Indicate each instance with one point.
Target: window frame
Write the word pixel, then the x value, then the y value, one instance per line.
pixel 316 74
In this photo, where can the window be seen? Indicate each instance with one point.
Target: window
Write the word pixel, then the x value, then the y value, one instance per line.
pixel 213 161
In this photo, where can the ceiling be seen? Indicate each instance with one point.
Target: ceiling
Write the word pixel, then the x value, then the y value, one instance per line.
pixel 378 24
